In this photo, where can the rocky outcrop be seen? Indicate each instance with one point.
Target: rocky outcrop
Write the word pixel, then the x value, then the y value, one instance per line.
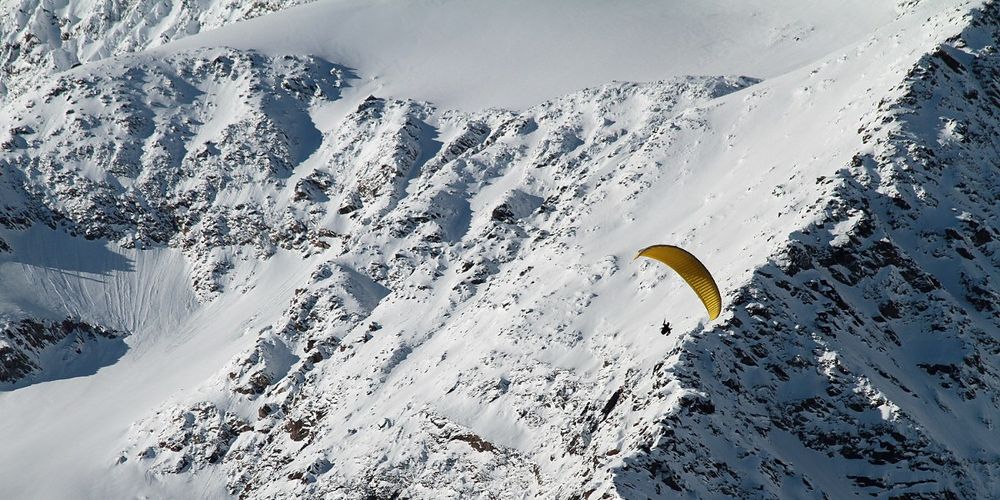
pixel 37 350
pixel 186 440
pixel 168 149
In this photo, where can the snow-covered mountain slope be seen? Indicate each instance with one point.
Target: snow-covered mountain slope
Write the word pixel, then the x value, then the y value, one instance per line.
pixel 472 55
pixel 307 284
pixel 40 37
pixel 862 359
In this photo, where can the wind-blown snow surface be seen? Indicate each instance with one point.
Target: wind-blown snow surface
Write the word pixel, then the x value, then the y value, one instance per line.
pixel 296 290
pixel 472 55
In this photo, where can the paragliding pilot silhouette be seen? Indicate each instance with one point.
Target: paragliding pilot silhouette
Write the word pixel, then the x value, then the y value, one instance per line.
pixel 665 329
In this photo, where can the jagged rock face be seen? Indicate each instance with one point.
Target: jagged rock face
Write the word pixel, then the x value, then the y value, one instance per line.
pixel 32 350
pixel 155 152
pixel 42 37
pixel 870 342
pixel 329 354
pixel 152 152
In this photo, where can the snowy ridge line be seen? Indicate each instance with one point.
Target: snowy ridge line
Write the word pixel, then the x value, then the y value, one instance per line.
pixel 862 359
pixel 40 37
pixel 179 180
pixel 405 59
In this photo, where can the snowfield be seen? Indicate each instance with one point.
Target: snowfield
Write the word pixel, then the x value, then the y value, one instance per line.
pixel 385 250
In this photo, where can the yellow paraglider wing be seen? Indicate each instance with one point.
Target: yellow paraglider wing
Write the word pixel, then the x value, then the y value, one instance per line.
pixel 693 272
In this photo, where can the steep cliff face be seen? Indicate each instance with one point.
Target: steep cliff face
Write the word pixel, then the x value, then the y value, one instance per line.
pixel 300 291
pixel 861 359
